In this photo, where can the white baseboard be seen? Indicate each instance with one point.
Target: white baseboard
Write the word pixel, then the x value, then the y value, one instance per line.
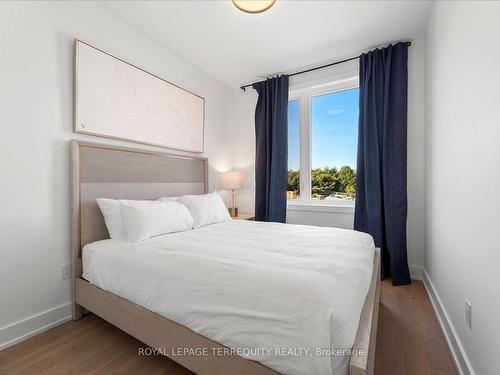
pixel 462 362
pixel 416 272
pixel 16 332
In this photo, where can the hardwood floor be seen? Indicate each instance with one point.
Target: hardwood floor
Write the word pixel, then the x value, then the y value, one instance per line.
pixel 409 338
pixel 409 342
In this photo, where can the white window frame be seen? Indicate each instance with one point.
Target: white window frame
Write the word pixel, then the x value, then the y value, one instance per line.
pixel 304 95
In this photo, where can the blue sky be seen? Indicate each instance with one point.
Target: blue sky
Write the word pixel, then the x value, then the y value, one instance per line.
pixel 334 134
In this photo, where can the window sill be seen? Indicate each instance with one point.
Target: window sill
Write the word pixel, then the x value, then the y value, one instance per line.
pixel 334 207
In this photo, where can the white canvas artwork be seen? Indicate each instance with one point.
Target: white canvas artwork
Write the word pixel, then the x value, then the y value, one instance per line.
pixel 118 100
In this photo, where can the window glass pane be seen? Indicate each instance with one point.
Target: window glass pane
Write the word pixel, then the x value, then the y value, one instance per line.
pixel 293 188
pixel 334 138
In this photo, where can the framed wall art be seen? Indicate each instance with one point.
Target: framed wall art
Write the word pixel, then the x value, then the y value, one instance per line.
pixel 115 99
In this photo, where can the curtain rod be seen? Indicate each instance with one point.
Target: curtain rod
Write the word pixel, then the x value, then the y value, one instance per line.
pixel 316 68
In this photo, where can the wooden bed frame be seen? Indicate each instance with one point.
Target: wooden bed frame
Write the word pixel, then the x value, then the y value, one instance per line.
pixel 106 171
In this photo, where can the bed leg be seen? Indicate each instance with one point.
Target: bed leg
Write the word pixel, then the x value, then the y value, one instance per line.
pixel 77 311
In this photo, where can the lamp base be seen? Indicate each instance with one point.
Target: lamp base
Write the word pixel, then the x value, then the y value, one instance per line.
pixel 233 211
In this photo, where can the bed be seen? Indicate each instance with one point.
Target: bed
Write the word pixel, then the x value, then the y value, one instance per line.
pixel 180 291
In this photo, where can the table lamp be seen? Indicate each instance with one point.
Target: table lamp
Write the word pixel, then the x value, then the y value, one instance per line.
pixel 232 181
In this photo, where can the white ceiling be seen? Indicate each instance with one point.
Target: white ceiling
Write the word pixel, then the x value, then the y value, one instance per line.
pixel 238 48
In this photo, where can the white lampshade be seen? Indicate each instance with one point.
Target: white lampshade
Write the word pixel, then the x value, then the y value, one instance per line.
pixel 232 180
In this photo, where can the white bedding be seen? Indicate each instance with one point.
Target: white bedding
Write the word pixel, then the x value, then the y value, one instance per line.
pixel 267 286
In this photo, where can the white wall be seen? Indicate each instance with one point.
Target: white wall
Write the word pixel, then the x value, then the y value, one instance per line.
pixel 36 83
pixel 244 154
pixel 338 217
pixel 462 257
pixel 243 136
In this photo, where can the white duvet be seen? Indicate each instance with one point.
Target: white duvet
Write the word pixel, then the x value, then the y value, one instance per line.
pixel 283 295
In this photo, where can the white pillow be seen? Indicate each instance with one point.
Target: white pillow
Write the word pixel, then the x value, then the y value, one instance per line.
pixel 110 209
pixel 169 199
pixel 206 209
pixel 145 219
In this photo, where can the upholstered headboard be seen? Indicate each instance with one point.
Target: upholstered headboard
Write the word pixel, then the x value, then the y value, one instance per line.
pixel 104 171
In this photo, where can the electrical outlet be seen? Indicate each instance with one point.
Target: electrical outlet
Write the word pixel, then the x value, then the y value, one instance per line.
pixel 65 271
pixel 468 314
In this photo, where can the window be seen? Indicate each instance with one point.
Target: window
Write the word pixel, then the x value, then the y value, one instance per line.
pixel 322 139
pixel 293 189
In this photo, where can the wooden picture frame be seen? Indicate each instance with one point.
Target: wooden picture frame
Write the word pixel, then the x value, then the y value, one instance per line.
pixel 116 99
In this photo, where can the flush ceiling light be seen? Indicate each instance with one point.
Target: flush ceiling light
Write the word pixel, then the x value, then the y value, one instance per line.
pixel 253 6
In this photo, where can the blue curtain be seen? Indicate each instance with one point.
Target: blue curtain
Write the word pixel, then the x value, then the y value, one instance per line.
pixel 271 157
pixel 381 198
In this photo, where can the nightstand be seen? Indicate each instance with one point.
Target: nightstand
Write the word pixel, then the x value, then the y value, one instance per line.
pixel 242 216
